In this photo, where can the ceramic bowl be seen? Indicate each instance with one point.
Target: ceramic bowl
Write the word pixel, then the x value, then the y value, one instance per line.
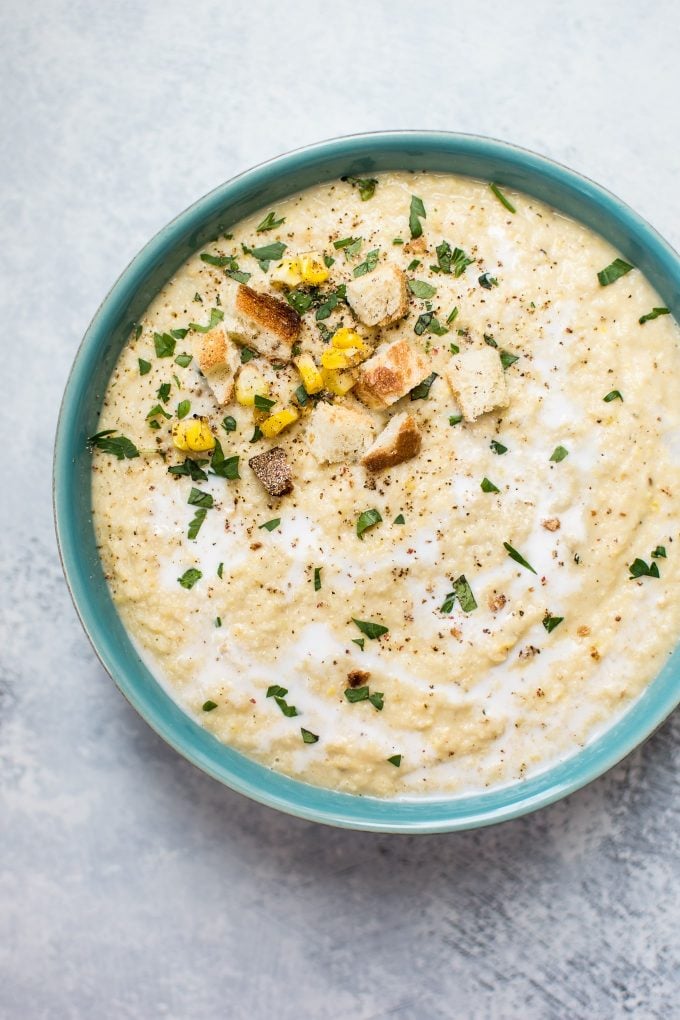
pixel 140 282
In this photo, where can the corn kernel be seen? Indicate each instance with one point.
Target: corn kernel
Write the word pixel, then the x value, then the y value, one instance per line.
pixel 345 338
pixel 193 436
pixel 310 374
pixel 312 268
pixel 335 360
pixel 338 383
pixel 287 273
pixel 278 422
pixel 250 384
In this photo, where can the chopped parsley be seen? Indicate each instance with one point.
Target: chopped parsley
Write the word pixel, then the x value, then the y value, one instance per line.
pixel 421 289
pixel 223 467
pixel 218 621
pixel 413 264
pixel 613 272
pixel 257 434
pixel 301 395
pixel 453 314
pixel 455 419
pixel 613 395
pixel 463 592
pixel 270 222
pixel 365 185
pixel 308 737
pixel 144 366
pixel 198 498
pixel 247 355
pixel 183 409
pixel 198 298
pixel 275 691
pixel 330 303
pixel 350 245
pixel 487 281
pixel 184 360
pixel 288 710
pixel 216 315
pixel 416 213
pixel 422 390
pixel 639 568
pixel 179 334
pixel 300 300
pixel 317 578
pixel 208 706
pixel 190 577
pixel 163 392
pixel 229 424
pixel 164 345
pixel 502 198
pixel 517 557
pixel 451 260
pixel 395 760
pixel 266 253
pixel 659 552
pixel 498 447
pixel 454 348
pixel 550 622
pixel 219 261
pixel 355 694
pixel 400 519
pixel 654 314
pixel 371 630
pixel 359 641
pixel 558 454
pixel 120 446
pixel 153 414
pixel 369 264
pixel 367 519
pixel 196 522
pixel 263 403
pixel 190 468
pixel 489 340
pixel 488 486
pixel 428 323
pixel 270 525
pixel 220 570
pixel 508 359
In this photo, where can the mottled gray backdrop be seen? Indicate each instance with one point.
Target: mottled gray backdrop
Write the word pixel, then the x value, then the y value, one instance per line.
pixel 132 886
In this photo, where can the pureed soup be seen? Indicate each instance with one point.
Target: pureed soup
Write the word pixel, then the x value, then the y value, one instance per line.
pixel 386 485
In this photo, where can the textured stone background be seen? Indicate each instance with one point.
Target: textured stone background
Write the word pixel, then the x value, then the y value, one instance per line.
pixel 132 886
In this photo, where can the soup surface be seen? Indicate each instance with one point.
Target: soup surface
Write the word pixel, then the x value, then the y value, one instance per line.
pixel 452 604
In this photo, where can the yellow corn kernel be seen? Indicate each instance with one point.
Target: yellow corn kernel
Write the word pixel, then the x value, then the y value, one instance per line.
pixel 338 383
pixel 250 384
pixel 312 268
pixel 345 338
pixel 335 360
pixel 286 273
pixel 278 422
pixel 312 379
pixel 193 436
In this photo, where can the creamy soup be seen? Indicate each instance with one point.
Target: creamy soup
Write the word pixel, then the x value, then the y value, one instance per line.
pixel 460 562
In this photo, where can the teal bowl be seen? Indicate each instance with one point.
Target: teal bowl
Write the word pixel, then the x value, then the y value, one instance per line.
pixel 147 273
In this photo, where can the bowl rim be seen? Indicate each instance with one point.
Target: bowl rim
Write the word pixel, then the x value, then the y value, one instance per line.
pixel 657 708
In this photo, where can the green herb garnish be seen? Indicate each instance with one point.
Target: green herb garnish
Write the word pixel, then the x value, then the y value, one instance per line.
pixel 257 434
pixel 208 706
pixel 613 272
pixel 120 446
pixel 307 736
pixel 190 577
pixel 463 592
pixel 550 622
pixel 498 447
pixel 163 392
pixel 191 469
pixel 428 323
pixel 371 630
pixel 218 621
pixel 488 486
pixel 196 522
pixel 453 314
pixel 144 366
pixel 654 314
pixel 247 355
pixel 613 395
pixel 184 360
pixel 183 409
pixel 502 198
pixel 263 403
pixel 422 390
pixel 421 289
pixel 487 281
pixel 270 222
pixel 455 419
pixel 179 334
pixel 451 260
pixel 367 519
pixel 508 359
pixel 275 691
pixel 399 519
pixel 223 467
pixel 359 641
pixel 369 264
pixel 266 253
pixel 164 345
pixel 395 760
pixel 198 498
pixel 270 525
pixel 558 454
pixel 365 185
pixel 300 300
pixel 356 694
pixel 317 578
pixel 639 568
pixel 416 213
pixel 220 570
pixel 517 557
pixel 659 552
pixel 216 315
pixel 229 423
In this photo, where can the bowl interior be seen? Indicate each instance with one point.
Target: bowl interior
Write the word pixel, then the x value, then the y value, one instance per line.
pixel 128 299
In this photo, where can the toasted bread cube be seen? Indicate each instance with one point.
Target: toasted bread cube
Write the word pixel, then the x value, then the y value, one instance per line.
pixel 477 381
pixel 260 321
pixel 393 370
pixel 379 298
pixel 273 470
pixel 218 359
pixel 338 434
pixel 399 441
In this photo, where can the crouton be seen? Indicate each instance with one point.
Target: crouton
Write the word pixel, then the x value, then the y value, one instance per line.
pixel 273 470
pixel 477 381
pixel 338 434
pixel 260 321
pixel 399 440
pixel 379 298
pixel 218 359
pixel 393 370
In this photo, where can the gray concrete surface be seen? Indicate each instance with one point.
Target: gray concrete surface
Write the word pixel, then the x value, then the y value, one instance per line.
pixel 132 886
